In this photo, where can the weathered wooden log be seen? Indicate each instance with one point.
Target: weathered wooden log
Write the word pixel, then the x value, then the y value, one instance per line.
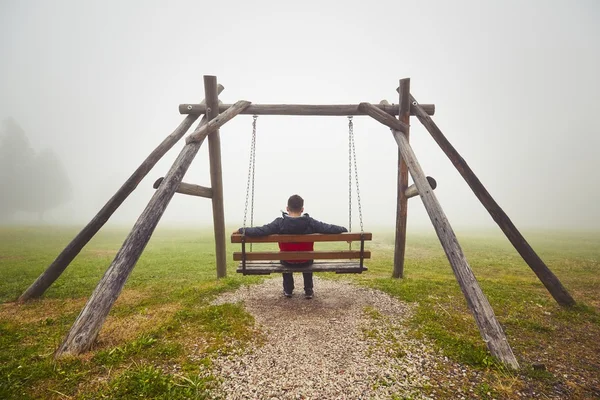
pixel 216 177
pixel 401 198
pixel 412 190
pixel 545 275
pixel 217 122
pixel 489 327
pixel 301 109
pixel 89 322
pixel 188 188
pixel 383 117
pixel 51 274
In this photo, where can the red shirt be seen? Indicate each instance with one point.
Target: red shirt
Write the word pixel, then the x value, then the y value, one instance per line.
pixel 302 246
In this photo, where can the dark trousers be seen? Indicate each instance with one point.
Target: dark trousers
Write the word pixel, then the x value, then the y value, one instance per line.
pixel 288 277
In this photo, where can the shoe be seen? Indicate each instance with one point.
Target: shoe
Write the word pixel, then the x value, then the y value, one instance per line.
pixel 308 294
pixel 286 294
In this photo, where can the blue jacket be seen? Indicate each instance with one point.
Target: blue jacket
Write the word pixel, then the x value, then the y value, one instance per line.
pixel 293 225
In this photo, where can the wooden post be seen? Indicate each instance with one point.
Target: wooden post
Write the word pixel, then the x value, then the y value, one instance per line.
pixel 89 322
pixel 550 281
pixel 402 206
pixel 216 177
pixel 490 329
pixel 412 190
pixel 51 274
pixel 188 188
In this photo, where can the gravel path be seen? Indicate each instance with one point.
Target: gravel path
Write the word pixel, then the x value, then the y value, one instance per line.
pixel 348 342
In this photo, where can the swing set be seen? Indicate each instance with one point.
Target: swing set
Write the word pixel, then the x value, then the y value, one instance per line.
pixel 267 262
pixel 87 325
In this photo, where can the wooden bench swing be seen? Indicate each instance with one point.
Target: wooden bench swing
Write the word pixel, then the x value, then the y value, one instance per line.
pixel 267 262
pixel 338 261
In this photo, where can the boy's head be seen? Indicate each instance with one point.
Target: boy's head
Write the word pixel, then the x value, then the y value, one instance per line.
pixel 295 204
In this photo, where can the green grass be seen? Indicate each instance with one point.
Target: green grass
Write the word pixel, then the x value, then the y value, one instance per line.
pixel 162 333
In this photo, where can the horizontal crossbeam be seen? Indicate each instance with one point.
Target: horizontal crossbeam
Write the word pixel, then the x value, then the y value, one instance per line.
pixel 314 237
pixel 412 190
pixel 300 255
pixel 189 189
pixel 303 109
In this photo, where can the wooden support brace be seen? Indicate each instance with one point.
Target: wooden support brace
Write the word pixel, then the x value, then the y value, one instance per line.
pixel 301 109
pixel 383 117
pixel 86 327
pixel 412 190
pixel 489 327
pixel 217 122
pixel 545 275
pixel 58 266
pixel 189 189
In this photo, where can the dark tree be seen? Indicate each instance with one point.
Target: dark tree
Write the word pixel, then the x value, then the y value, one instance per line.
pixel 16 161
pixel 28 182
pixel 51 183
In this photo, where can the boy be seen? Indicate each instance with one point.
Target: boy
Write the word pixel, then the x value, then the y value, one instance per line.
pixel 294 222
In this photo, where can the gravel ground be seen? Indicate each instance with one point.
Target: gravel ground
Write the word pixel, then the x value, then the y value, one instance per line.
pixel 348 342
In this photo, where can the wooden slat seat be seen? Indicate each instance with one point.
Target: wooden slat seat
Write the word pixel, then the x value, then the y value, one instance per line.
pixel 270 267
pixel 267 262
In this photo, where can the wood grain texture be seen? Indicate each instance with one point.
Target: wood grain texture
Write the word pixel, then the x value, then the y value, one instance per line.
pixel 314 237
pixel 488 325
pixel 402 184
pixel 217 122
pixel 216 177
pixel 301 109
pixel 301 255
pixel 188 188
pixel 382 116
pixel 412 190
pixel 58 266
pixel 545 275
pixel 86 327
pixel 269 267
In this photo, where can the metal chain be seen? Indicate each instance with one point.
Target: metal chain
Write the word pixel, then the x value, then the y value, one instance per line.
pixel 251 177
pixel 356 176
pixel 350 134
pixel 255 117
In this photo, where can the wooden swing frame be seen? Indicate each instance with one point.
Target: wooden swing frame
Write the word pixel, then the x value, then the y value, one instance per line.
pixel 89 322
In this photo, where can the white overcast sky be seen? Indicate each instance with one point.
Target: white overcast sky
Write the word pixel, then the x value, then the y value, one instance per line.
pixel 515 84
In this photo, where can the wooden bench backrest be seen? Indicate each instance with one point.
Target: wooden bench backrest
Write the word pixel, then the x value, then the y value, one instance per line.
pixel 302 255
pixel 313 237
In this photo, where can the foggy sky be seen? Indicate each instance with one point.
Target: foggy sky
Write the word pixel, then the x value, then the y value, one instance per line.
pixel 515 85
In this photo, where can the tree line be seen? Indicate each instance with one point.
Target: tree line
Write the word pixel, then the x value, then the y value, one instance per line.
pixel 29 182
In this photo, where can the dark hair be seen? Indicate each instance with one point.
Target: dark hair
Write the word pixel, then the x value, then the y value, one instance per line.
pixel 295 203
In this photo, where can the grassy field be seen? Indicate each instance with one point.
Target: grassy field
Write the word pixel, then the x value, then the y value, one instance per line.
pixel 162 333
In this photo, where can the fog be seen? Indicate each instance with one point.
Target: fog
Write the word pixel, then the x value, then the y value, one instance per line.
pixel 515 85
